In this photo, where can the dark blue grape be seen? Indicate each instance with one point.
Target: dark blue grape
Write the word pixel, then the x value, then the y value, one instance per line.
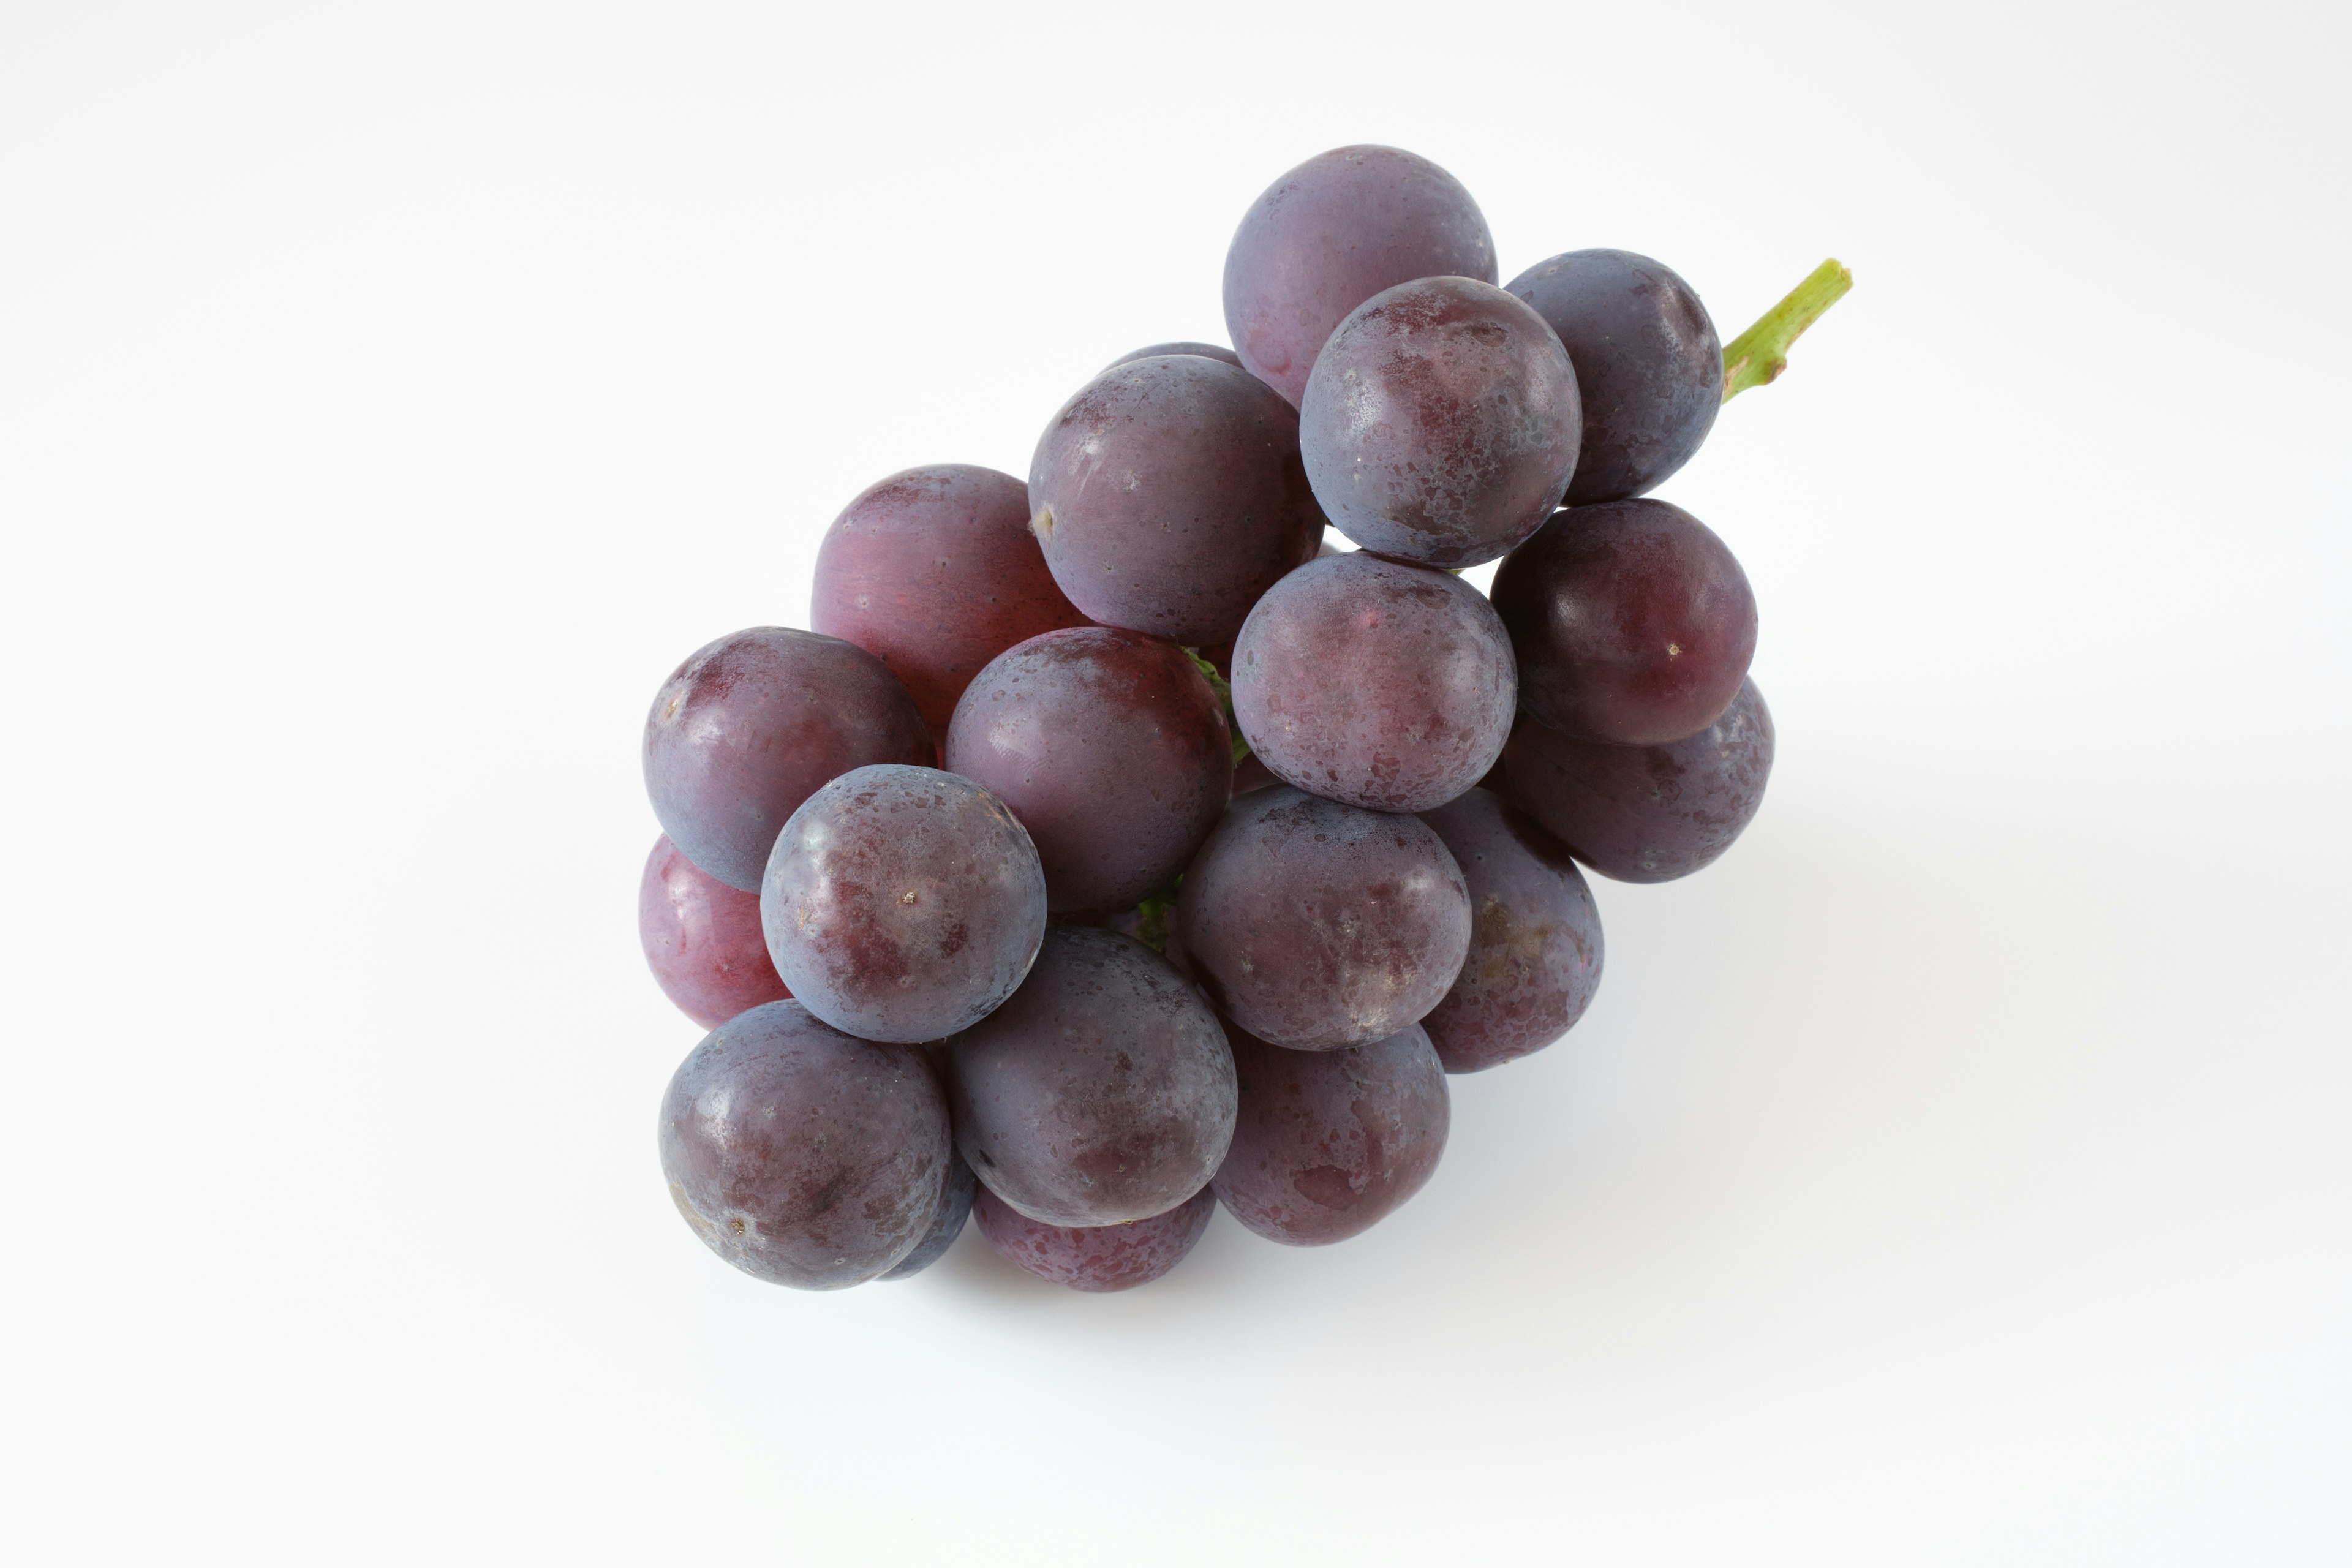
pixel 954 1209
pixel 755 723
pixel 903 903
pixel 1646 814
pixel 1317 925
pixel 1375 683
pixel 1534 937
pixel 1329 1143
pixel 1646 360
pixel 801 1157
pixel 1441 423
pixel 1102 1092
pixel 1332 234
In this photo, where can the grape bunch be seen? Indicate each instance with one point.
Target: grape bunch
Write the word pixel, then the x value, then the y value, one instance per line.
pixel 1112 850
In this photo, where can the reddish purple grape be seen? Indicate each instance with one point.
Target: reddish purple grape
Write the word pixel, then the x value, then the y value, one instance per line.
pixel 1381 685
pixel 1647 362
pixel 1329 1143
pixel 1168 495
pixel 1112 750
pixel 1332 234
pixel 1317 925
pixel 1157 350
pixel 934 571
pixel 1632 623
pixel 703 939
pixel 1441 423
pixel 903 903
pixel 1095 1257
pixel 752 725
pixel 801 1157
pixel 954 1209
pixel 1646 814
pixel 1102 1092
pixel 1535 939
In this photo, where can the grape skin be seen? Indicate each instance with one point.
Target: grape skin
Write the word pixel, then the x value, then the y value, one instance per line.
pixel 1632 623
pixel 1647 362
pixel 1102 1092
pixel 1331 1142
pixel 1206 351
pixel 800 1155
pixel 1647 814
pixel 754 724
pixel 1329 235
pixel 1168 495
pixel 903 903
pixel 1095 1259
pixel 1111 748
pixel 1440 424
pixel 954 1209
pixel 1375 683
pixel 1534 946
pixel 1317 925
pixel 934 571
pixel 702 938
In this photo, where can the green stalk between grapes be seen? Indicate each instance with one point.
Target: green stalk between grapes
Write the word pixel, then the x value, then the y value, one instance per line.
pixel 1761 353
pixel 1224 695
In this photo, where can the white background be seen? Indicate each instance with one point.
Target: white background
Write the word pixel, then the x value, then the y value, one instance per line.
pixel 390 397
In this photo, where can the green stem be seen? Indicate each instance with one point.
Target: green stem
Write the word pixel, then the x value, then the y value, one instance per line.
pixel 1761 353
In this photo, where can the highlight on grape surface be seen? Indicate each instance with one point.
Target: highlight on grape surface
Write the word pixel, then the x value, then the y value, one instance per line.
pixel 1112 850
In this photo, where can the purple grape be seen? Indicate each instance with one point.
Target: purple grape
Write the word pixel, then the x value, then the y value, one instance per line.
pixel 1381 685
pixel 1095 1257
pixel 934 571
pixel 1332 234
pixel 1331 1142
pixel 903 903
pixel 1646 814
pixel 1157 350
pixel 703 939
pixel 1168 495
pixel 1535 941
pixel 1102 1092
pixel 801 1157
pixel 1647 362
pixel 1441 423
pixel 1317 925
pixel 954 1209
pixel 1632 623
pixel 752 725
pixel 1111 749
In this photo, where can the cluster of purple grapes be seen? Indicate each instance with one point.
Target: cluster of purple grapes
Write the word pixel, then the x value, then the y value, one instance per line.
pixel 989 910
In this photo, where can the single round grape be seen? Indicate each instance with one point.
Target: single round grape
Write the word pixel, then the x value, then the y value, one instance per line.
pixel 703 939
pixel 1102 1092
pixel 752 725
pixel 1535 939
pixel 1332 234
pixel 903 903
pixel 800 1155
pixel 1331 1142
pixel 1646 814
pixel 934 571
pixel 1647 362
pixel 1441 423
pixel 1632 623
pixel 1095 1257
pixel 1168 495
pixel 1206 351
pixel 1317 925
pixel 1111 749
pixel 1375 683
pixel 954 1209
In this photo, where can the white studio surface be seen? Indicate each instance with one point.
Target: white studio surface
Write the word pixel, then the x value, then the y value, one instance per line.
pixel 390 397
